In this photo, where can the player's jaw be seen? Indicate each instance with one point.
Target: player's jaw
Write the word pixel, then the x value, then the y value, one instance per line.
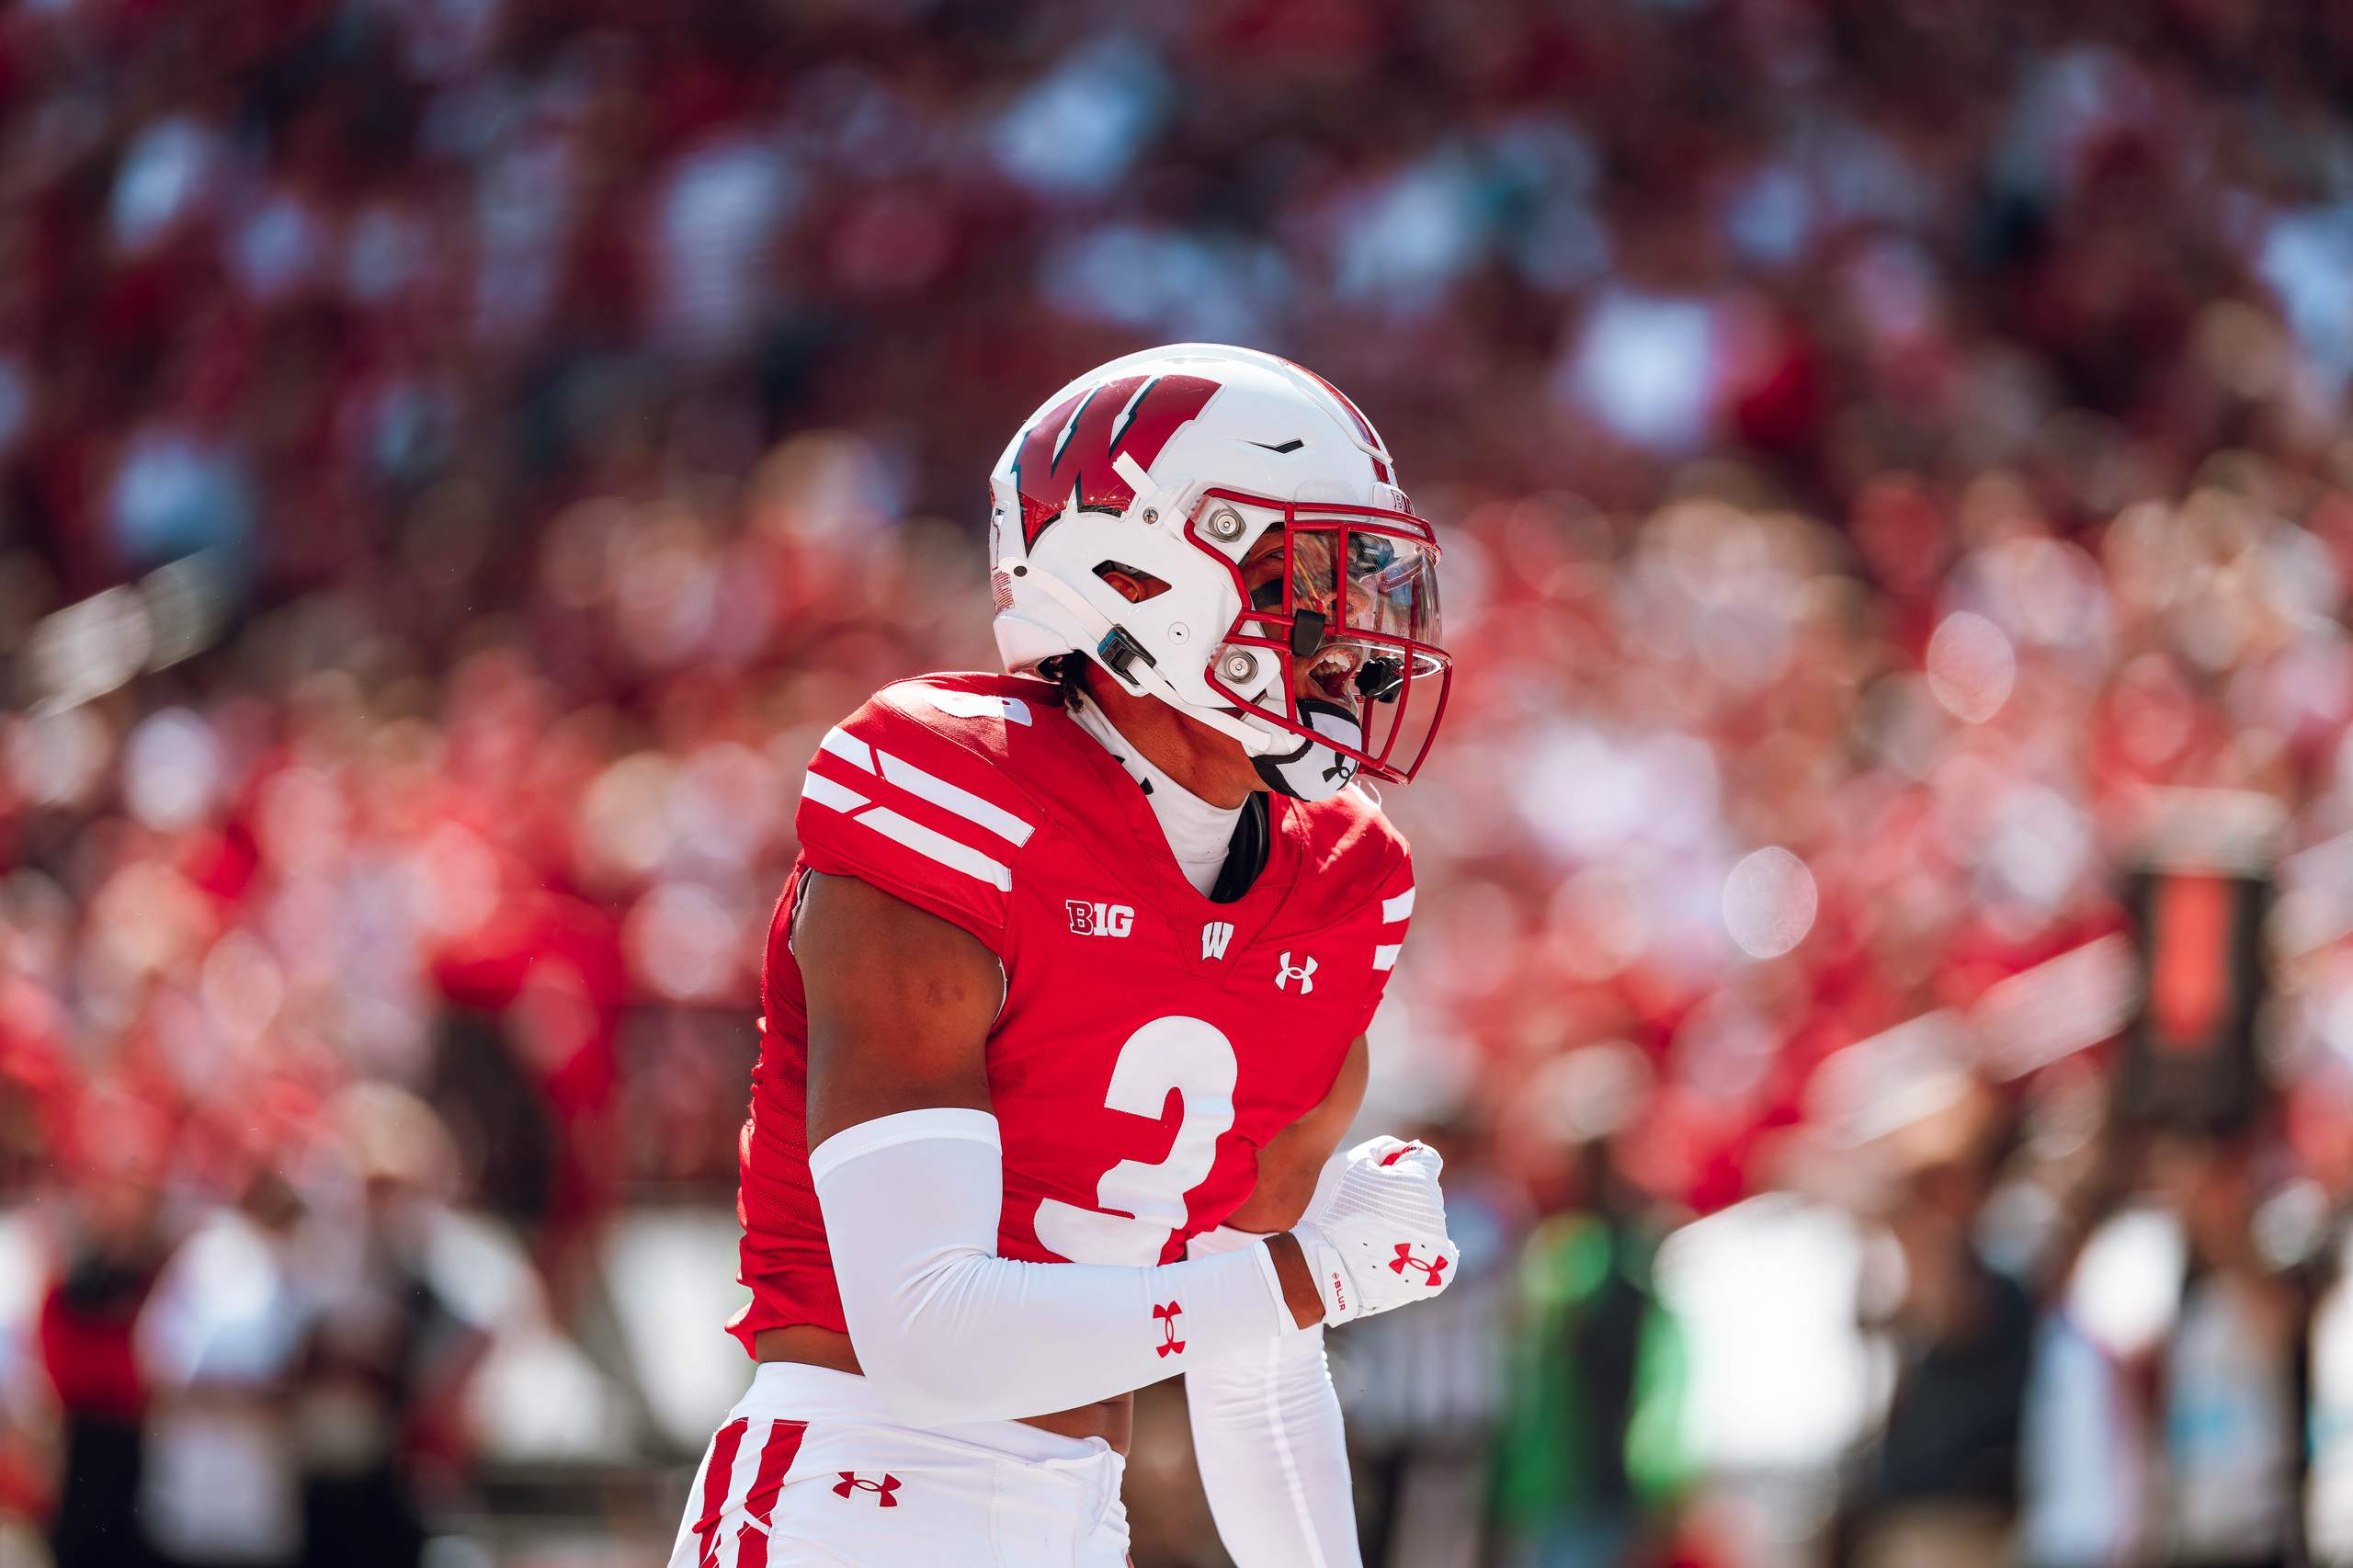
pixel 1206 761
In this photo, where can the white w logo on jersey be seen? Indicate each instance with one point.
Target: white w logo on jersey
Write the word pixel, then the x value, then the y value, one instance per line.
pixel 1214 936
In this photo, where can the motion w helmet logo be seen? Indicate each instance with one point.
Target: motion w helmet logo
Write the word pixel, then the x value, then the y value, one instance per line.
pixel 1066 458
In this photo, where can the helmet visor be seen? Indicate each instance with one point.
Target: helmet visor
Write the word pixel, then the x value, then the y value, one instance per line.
pixel 1358 580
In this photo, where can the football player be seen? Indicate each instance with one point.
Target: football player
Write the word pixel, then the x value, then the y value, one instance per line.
pixel 1066 1001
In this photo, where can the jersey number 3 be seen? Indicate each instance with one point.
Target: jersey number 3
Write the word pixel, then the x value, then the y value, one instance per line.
pixel 1197 1060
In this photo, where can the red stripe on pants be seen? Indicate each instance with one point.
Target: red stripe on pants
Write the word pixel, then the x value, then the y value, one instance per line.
pixel 714 1489
pixel 776 1457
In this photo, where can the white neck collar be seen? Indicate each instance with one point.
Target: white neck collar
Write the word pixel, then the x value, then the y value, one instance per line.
pixel 1198 832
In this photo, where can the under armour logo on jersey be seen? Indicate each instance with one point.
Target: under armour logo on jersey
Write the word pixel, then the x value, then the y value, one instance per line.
pixel 851 1482
pixel 1405 1260
pixel 1167 1317
pixel 1214 936
pixel 1099 919
pixel 1285 973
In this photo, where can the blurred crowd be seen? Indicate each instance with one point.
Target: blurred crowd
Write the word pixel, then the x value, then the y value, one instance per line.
pixel 457 456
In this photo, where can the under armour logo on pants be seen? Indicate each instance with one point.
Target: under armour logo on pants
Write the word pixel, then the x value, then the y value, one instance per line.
pixel 1170 1344
pixel 851 1482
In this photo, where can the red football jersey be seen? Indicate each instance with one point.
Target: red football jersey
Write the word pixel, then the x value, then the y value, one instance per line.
pixel 1152 1040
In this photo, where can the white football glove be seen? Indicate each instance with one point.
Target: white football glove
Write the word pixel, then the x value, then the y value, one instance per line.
pixel 1378 1238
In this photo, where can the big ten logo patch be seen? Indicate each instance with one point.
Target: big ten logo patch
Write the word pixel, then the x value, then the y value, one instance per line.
pixel 1099 919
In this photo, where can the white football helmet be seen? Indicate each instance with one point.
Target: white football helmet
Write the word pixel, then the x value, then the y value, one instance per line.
pixel 1170 467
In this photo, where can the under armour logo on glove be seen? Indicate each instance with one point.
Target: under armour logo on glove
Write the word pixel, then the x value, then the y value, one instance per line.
pixel 851 1482
pixel 1167 1317
pixel 1405 1260
pixel 1366 1233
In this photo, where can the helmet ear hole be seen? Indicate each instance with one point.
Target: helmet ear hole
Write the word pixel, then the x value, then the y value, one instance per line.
pixel 1133 584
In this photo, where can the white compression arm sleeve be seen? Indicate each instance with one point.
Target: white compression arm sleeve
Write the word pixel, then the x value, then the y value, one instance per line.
pixel 1267 1434
pixel 948 1332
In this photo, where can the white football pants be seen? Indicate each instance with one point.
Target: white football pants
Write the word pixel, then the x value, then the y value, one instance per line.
pixel 810 1471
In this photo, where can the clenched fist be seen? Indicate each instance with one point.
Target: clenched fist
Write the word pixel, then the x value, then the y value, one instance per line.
pixel 1378 1238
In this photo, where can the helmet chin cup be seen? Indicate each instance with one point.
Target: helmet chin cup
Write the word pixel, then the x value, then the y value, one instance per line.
pixel 1313 770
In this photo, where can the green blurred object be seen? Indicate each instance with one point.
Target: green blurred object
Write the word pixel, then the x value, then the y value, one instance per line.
pixel 1592 1432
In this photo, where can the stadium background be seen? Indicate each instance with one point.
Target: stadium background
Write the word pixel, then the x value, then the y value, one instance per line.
pixel 456 457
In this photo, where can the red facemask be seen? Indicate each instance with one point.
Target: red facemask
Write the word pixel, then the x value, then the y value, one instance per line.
pixel 1348 620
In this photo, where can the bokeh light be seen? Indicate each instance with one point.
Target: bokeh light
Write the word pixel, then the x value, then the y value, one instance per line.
pixel 1971 667
pixel 1769 902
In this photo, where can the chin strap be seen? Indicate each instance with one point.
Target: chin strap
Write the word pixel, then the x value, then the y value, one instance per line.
pixel 1314 771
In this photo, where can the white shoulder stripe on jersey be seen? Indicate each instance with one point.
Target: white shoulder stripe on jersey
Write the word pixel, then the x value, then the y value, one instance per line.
pixel 963 802
pixel 1399 907
pixel 1386 957
pixel 815 786
pixel 928 786
pixel 849 748
pixel 938 846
